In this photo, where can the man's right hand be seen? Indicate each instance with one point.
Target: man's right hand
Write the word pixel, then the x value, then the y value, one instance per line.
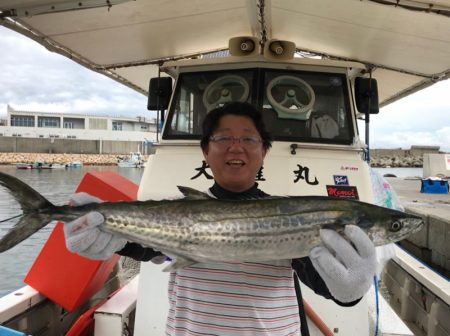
pixel 83 235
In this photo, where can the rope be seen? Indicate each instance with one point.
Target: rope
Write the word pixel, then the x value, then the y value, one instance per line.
pixel 377 305
pixel 7 219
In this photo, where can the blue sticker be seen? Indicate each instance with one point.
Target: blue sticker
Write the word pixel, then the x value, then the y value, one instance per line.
pixel 340 180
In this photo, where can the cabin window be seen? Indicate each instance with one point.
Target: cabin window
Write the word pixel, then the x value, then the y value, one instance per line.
pixel 307 106
pixel 198 93
pixel 297 106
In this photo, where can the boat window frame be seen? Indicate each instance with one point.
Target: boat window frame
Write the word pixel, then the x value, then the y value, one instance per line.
pixel 257 96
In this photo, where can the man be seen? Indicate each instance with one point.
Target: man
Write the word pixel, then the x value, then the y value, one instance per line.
pixel 241 298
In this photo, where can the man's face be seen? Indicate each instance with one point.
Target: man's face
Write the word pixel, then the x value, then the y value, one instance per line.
pixel 235 165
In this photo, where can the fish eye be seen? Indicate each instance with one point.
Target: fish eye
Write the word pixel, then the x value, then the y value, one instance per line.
pixel 396 226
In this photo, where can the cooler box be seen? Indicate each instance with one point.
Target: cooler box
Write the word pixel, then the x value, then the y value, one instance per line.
pixel 67 278
pixel 434 186
pixel 4 331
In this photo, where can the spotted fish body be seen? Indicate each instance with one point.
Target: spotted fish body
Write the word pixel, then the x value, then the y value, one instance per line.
pixel 198 228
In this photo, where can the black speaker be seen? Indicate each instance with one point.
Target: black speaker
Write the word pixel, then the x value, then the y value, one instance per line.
pixel 159 93
pixel 366 90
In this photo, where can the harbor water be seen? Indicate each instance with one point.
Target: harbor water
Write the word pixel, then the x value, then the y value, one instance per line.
pixel 57 186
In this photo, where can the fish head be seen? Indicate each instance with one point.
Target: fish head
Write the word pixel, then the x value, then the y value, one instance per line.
pixel 393 227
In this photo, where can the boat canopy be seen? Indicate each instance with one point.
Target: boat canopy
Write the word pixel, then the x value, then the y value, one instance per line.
pixel 404 43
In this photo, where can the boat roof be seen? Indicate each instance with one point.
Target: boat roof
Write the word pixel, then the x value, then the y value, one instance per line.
pixel 406 43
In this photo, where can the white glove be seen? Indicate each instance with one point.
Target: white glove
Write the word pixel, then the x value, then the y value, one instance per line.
pixel 347 271
pixel 83 235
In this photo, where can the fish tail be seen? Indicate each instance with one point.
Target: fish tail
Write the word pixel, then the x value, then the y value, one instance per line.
pixel 37 211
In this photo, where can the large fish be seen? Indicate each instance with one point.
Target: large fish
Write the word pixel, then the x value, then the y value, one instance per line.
pixel 198 228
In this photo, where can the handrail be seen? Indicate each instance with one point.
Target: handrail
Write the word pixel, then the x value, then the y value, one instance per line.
pixel 320 324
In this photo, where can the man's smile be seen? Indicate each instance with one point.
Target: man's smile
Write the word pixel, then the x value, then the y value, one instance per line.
pixel 235 163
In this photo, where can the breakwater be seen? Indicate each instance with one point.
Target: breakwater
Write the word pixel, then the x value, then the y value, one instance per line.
pixel 86 159
pixel 383 161
pixel 398 157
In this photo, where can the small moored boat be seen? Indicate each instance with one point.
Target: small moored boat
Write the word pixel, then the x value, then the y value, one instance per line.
pixel 39 165
pixel 74 164
pixel 133 160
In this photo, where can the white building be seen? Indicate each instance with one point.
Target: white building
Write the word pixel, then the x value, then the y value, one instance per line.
pixel 29 124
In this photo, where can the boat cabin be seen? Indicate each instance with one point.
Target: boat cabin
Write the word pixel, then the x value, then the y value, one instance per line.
pixel 309 107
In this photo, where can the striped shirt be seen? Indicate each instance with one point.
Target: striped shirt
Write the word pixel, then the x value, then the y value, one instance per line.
pixel 233 299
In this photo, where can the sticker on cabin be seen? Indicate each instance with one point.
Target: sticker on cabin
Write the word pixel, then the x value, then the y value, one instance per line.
pixel 342 191
pixel 447 161
pixel 340 180
pixel 202 171
pixel 350 168
pixel 302 173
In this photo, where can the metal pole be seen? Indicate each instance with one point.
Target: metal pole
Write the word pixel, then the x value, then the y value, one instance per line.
pixel 367 118
pixel 367 121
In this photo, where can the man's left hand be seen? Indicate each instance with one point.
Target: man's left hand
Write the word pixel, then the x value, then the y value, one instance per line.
pixel 347 270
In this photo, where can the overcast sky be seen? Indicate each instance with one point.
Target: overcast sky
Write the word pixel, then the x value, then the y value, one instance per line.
pixel 32 78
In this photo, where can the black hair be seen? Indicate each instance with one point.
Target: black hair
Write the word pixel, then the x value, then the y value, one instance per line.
pixel 212 119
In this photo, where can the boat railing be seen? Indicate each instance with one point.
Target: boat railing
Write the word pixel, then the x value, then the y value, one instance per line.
pixel 418 294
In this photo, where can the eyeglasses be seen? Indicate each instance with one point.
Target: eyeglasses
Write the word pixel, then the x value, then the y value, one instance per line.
pixel 225 141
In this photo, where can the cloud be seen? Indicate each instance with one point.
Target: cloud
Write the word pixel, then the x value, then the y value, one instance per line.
pixel 419 119
pixel 425 110
pixel 35 79
pixel 407 139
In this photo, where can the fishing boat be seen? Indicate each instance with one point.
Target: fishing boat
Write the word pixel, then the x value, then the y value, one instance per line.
pixel 40 165
pixel 22 165
pixel 313 67
pixel 74 164
pixel 132 160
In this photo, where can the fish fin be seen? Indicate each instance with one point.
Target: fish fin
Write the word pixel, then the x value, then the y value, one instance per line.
pixel 177 263
pixel 193 194
pixel 28 225
pixel 36 209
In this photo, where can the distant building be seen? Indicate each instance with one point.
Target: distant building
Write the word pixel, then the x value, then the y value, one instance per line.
pixel 30 124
